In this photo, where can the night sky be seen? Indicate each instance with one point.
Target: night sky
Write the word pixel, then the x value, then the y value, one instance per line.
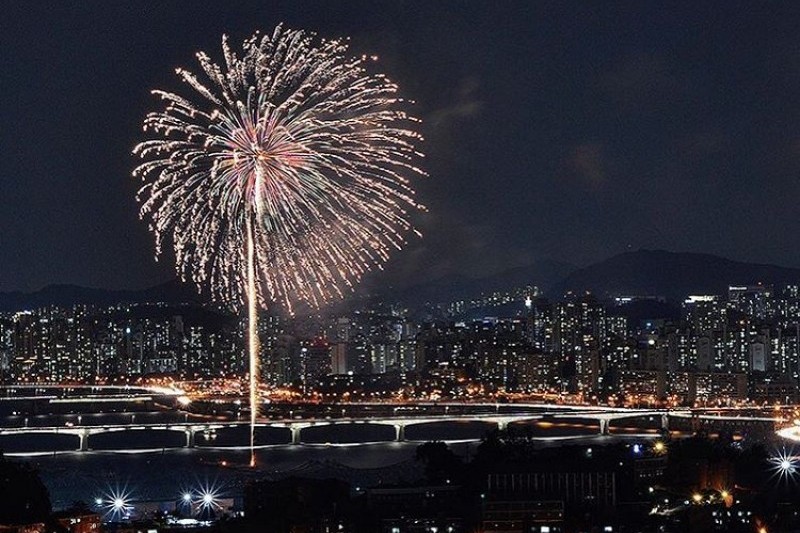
pixel 554 130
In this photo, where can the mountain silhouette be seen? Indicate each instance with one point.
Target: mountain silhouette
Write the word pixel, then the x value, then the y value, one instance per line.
pixel 171 292
pixel 670 275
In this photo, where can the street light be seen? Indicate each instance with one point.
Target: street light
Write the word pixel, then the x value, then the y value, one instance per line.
pixel 784 465
pixel 117 503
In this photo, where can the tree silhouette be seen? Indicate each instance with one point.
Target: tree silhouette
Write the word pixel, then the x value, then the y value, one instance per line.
pixel 24 499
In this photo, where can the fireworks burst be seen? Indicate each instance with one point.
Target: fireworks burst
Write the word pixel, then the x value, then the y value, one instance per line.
pixel 283 178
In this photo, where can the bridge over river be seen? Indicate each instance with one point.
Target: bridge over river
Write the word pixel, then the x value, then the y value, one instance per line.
pixel 512 414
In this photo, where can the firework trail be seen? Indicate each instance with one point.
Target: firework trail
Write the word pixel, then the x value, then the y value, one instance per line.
pixel 283 176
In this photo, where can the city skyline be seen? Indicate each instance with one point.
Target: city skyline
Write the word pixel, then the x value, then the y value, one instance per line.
pixel 399 266
pixel 569 132
pixel 736 346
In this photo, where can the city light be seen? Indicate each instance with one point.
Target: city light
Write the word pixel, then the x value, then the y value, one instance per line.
pixel 203 500
pixel 209 500
pixel 117 504
pixel 206 497
pixel 784 465
pixel 564 352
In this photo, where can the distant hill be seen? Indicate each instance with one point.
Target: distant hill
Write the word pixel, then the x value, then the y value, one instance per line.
pixel 172 292
pixel 644 272
pixel 641 310
pixel 669 274
pixel 542 274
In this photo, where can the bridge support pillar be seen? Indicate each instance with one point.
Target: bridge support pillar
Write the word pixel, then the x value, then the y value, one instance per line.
pixel 295 430
pixel 83 441
pixel 665 422
pixel 189 438
pixel 604 426
pixel 696 423
pixel 399 432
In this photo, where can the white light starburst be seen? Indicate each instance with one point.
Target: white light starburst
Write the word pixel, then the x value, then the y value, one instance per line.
pixel 204 499
pixel 784 465
pixel 116 504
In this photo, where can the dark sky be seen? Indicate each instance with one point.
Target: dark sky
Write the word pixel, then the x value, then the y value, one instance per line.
pixel 563 130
